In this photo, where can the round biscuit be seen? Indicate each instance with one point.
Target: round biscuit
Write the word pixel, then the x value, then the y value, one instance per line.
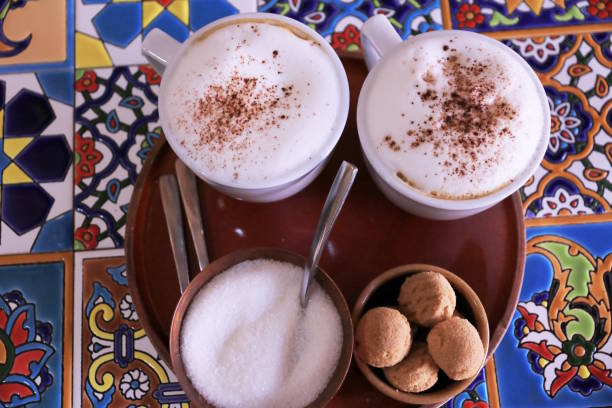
pixel 383 337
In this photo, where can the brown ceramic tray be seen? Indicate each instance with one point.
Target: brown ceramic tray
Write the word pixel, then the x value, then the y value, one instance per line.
pixel 487 250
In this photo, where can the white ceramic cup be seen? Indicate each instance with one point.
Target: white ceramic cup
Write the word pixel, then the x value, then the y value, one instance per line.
pixel 379 40
pixel 164 54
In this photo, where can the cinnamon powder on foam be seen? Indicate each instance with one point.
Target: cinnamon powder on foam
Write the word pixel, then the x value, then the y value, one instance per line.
pixel 468 117
pixel 243 105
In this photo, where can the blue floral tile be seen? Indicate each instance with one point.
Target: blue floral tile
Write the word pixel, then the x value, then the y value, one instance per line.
pixel 571 125
pixel 510 16
pixel 35 163
pixel 35 361
pixel 558 350
pixel 543 53
pixel 116 125
pixel 575 176
pixel 340 21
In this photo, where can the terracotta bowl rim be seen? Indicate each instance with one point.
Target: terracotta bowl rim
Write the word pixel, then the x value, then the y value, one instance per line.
pixel 480 321
pixel 233 258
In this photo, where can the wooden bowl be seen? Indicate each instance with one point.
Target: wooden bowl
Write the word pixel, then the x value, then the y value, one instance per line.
pixel 383 291
pixel 226 262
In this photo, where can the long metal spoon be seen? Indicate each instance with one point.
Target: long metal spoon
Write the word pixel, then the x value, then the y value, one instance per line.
pixel 174 220
pixel 191 204
pixel 333 204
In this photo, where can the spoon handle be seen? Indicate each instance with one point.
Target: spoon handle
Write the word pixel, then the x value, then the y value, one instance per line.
pixel 191 204
pixel 174 220
pixel 333 204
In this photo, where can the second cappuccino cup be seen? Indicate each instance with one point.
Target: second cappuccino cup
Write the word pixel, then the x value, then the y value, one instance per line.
pixel 450 122
pixel 253 104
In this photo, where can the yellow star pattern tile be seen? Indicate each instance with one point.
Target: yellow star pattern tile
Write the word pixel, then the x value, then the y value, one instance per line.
pixel 90 52
pixel 12 174
pixel 150 10
pixel 181 10
pixel 13 146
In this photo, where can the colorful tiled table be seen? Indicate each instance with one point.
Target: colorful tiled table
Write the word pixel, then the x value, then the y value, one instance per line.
pixel 78 116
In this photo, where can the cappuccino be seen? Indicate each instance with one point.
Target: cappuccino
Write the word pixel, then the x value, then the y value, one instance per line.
pixel 460 119
pixel 254 102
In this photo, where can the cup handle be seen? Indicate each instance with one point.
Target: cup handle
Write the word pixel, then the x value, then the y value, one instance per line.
pixel 377 37
pixel 159 49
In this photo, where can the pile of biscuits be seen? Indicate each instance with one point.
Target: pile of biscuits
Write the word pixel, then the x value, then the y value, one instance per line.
pixel 385 336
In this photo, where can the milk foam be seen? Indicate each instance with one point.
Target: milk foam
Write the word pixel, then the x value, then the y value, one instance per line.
pixel 270 129
pixel 425 145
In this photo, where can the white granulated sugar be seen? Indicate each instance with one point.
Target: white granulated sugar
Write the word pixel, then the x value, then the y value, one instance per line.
pixel 246 342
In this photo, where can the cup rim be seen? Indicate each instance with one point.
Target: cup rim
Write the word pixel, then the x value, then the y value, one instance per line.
pixel 444 203
pixel 220 265
pixel 461 288
pixel 308 166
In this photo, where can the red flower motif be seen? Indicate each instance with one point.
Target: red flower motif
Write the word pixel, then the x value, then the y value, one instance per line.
pixel 152 76
pixel 469 16
pixel 350 36
pixel 88 236
pixel 475 404
pixel 474 401
pixel 87 82
pixel 22 354
pixel 600 8
pixel 86 157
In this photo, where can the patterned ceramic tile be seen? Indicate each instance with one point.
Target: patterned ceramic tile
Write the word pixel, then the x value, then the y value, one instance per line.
pixel 107 33
pixel 475 396
pixel 340 20
pixel 111 32
pixel 35 162
pixel 35 340
pixel 516 18
pixel 576 174
pixel 116 124
pixel 558 350
pixel 36 34
pixel 119 367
